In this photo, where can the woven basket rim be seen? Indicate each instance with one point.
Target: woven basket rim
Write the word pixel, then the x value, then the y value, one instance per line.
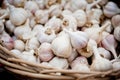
pixel 18 66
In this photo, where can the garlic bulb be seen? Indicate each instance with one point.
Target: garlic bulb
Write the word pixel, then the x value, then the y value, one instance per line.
pixel 7 40
pixel 115 20
pixel 17 15
pixel 104 53
pixel 111 9
pixel 80 64
pixel 41 16
pixel 40 3
pixel 116 65
pixel 103 2
pixel 23 31
pixel 4 13
pixel 31 6
pixel 19 45
pixel 93 16
pixel 95 33
pixel 65 48
pixel 29 56
pixel 99 63
pixel 59 63
pixel 19 3
pixel 1 26
pixel 55 10
pixel 110 44
pixel 66 12
pixel 69 22
pixel 9 26
pixel 46 35
pixel 54 23
pixel 32 43
pixel 16 52
pixel 73 55
pixel 78 4
pixel 45 52
pixel 117 33
pixel 78 39
pixel 81 17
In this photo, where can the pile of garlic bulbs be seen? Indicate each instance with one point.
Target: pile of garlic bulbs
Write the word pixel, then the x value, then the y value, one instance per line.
pixel 80 35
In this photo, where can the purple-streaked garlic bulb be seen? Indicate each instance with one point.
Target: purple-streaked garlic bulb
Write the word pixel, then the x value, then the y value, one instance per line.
pixel 111 9
pixel 45 52
pixel 110 44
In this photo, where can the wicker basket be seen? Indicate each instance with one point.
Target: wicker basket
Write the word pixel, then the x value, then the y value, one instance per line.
pixel 24 70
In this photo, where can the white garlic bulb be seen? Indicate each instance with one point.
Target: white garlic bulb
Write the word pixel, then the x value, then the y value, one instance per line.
pixel 54 23
pixel 19 45
pixel 41 3
pixel 115 20
pixel 46 35
pixel 81 17
pixel 45 52
pixel 55 10
pixel 65 48
pixel 66 12
pixel 16 52
pixel 41 16
pixel 32 43
pixel 9 26
pixel 23 31
pixel 104 53
pixel 111 9
pixel 69 22
pixel 116 65
pixel 60 63
pixel 17 15
pixel 31 6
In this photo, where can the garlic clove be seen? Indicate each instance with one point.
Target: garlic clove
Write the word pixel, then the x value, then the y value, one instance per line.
pixel 45 52
pixel 65 48
pixel 19 45
pixel 110 44
pixel 60 63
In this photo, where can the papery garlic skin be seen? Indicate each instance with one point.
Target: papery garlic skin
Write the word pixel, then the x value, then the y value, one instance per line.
pixel 41 16
pixel 65 48
pixel 45 52
pixel 17 15
pixel 19 3
pixel 19 45
pixel 60 63
pixel 9 26
pixel 32 44
pixel 81 17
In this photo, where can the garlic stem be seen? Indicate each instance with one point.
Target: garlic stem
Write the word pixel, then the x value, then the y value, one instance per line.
pixel 96 53
pixel 113 52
